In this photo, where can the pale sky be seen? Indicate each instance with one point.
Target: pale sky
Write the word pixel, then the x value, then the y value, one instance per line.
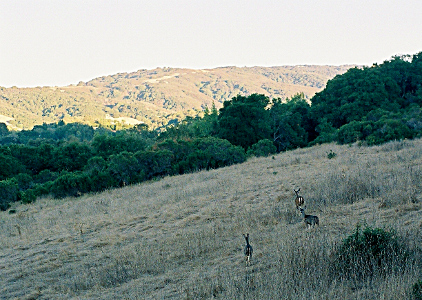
pixel 62 42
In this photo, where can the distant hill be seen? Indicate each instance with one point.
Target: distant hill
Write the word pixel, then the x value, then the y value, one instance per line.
pixel 156 97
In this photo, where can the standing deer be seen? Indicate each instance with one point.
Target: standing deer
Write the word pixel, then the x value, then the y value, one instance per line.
pixel 248 248
pixel 309 220
pixel 299 199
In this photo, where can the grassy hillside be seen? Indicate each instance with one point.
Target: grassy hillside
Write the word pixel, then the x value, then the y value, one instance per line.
pixel 181 237
pixel 157 96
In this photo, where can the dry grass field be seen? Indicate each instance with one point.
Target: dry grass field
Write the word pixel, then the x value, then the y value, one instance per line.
pixel 181 237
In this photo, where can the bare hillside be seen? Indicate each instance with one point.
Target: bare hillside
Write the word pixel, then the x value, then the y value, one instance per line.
pixel 181 237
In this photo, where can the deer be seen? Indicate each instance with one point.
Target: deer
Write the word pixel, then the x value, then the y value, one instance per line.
pixel 248 249
pixel 299 199
pixel 309 220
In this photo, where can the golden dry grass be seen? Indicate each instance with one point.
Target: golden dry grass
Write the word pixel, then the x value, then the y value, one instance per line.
pixel 181 237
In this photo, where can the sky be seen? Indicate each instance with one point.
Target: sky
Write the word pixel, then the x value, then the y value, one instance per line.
pixel 59 42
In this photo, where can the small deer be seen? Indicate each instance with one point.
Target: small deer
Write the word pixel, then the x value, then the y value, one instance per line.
pixel 248 249
pixel 299 199
pixel 309 220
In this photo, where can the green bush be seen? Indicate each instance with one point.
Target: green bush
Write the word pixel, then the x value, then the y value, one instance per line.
pixel 100 181
pixel 8 193
pixel 218 153
pixel 72 156
pixel 9 165
pixel 351 132
pixel 417 290
pixel 42 188
pixel 104 145
pixel 331 154
pixel 153 163
pixel 370 252
pixel 24 181
pixel 124 168
pixel 388 130
pixel 45 176
pixel 264 147
pixel 71 184
pixel 27 196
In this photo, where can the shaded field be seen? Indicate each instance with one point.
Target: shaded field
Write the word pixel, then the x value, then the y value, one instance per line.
pixel 181 237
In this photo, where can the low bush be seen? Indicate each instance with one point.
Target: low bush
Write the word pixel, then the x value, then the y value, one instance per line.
pixel 370 252
pixel 331 154
pixel 417 290
pixel 71 184
pixel 27 196
pixel 8 193
pixel 264 147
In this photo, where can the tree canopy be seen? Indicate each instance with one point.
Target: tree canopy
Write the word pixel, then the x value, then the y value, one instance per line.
pixel 244 121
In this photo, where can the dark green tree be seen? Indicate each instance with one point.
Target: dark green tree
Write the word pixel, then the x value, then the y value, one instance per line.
pixel 291 123
pixel 9 166
pixel 243 121
pixel 106 145
pixel 71 157
pixel 71 184
pixel 124 168
pixel 154 163
pixel 262 148
pixel 212 153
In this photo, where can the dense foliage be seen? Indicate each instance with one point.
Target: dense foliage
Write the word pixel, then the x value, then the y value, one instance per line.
pixel 371 105
pixel 244 121
pixel 50 160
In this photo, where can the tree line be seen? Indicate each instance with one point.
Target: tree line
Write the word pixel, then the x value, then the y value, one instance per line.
pixel 370 105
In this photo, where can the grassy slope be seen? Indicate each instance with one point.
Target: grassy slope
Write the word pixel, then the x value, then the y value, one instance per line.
pixel 181 237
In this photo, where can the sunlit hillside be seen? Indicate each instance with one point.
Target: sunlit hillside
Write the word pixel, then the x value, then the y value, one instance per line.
pixel 181 237
pixel 157 96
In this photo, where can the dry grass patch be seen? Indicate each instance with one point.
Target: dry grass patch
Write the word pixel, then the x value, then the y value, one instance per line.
pixel 181 237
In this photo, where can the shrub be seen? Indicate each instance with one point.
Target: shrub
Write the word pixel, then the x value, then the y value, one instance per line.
pixel 9 166
pixel 8 193
pixel 27 196
pixel 71 157
pixel 24 181
pixel 215 153
pixel 100 181
pixel 154 163
pixel 42 189
pixel 370 252
pixel 417 290
pixel 45 176
pixel 351 132
pixel 71 184
pixel 264 147
pixel 331 154
pixel 124 168
pixel 388 130
pixel 105 146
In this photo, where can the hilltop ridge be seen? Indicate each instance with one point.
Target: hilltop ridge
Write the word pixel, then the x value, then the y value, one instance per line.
pixel 157 96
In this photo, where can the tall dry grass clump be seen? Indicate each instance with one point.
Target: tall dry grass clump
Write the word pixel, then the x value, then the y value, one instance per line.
pixel 181 237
